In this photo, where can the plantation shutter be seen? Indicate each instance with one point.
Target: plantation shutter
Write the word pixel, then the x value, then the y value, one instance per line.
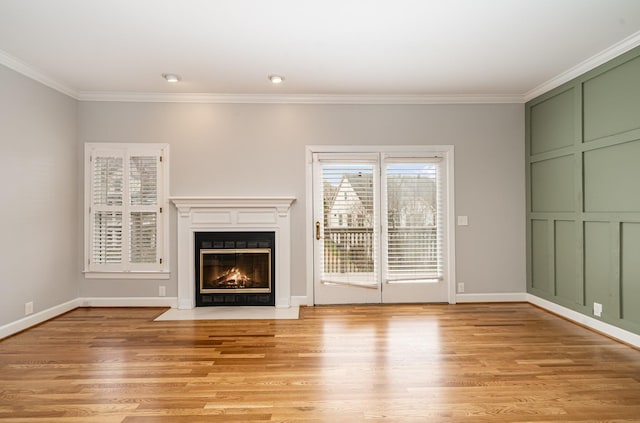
pixel 349 229
pixel 125 232
pixel 413 194
pixel 107 209
pixel 143 215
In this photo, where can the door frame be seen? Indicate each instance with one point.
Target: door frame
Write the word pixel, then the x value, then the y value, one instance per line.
pixel 447 151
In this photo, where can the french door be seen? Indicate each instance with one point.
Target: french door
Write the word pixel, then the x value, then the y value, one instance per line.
pixel 379 228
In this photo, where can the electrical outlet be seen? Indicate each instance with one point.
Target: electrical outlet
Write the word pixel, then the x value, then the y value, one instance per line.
pixel 162 291
pixel 597 309
pixel 460 287
pixel 28 308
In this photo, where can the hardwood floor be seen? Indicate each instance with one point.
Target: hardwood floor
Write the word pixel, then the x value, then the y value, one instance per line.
pixel 400 363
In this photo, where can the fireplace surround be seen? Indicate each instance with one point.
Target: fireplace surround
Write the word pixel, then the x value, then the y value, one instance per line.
pixel 233 215
pixel 235 268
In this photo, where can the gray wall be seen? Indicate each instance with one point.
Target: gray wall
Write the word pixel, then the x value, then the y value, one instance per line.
pixel 245 149
pixel 583 146
pixel 39 219
pixel 234 150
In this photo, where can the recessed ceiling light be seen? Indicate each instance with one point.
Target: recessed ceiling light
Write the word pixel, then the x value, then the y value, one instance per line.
pixel 276 79
pixel 171 77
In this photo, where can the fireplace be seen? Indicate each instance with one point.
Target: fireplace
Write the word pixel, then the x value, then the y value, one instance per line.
pixel 233 215
pixel 234 268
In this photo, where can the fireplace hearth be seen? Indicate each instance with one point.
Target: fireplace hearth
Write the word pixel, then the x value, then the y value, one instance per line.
pixel 235 268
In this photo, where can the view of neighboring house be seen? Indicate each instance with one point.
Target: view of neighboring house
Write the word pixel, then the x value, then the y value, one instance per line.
pixel 351 204
pixel 411 201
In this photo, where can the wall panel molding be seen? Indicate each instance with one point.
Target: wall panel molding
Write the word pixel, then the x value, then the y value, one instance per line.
pixel 596 190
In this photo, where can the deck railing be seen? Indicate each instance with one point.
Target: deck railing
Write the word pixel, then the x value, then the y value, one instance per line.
pixel 353 249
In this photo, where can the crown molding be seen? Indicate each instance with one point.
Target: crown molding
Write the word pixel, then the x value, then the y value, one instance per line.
pixel 593 62
pixel 604 56
pixel 31 72
pixel 296 98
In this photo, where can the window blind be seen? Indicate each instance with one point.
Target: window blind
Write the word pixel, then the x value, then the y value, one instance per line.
pixel 350 238
pixel 413 221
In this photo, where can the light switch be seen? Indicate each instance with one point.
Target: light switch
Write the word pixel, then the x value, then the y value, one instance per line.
pixel 463 220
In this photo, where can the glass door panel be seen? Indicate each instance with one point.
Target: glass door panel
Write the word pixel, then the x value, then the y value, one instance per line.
pixel 347 235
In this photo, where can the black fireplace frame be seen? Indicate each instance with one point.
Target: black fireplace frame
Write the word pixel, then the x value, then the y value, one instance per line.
pixel 237 241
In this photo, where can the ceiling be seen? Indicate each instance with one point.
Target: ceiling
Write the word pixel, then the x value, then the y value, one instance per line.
pixel 502 50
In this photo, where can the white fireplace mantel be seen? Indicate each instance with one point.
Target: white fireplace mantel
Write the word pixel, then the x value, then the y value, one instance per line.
pixel 232 214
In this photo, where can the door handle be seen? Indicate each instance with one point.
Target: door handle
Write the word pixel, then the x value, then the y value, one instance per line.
pixel 318 230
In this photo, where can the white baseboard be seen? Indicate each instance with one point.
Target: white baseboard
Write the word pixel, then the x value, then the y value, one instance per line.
pixel 129 302
pixel 504 297
pixel 37 318
pixel 595 324
pixel 186 304
pixel 299 300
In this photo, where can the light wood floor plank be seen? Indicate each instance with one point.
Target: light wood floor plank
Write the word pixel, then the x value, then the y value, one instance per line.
pixel 396 363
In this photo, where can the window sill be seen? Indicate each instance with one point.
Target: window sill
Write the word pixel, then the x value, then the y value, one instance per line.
pixel 126 275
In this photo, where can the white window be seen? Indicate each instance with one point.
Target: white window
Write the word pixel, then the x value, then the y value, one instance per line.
pixel 126 221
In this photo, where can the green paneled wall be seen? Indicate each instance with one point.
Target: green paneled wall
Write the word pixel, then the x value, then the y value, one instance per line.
pixel 597 264
pixel 552 185
pixel 612 178
pixel 565 255
pixel 612 101
pixel 630 263
pixel 540 256
pixel 552 123
pixel 583 193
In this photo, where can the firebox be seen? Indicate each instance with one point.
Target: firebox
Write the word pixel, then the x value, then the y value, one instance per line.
pixel 235 268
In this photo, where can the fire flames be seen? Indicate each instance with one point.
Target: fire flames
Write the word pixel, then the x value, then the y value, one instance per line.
pixel 232 278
